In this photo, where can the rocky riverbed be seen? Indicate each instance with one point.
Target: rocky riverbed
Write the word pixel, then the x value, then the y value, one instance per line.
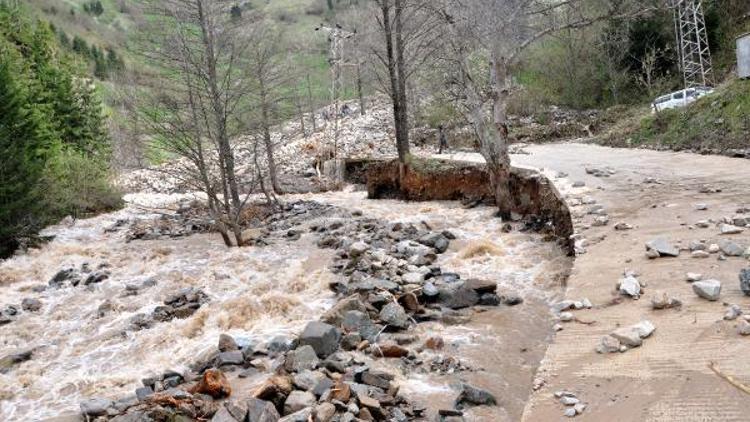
pixel 398 303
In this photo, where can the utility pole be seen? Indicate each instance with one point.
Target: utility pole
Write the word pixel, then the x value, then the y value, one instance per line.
pixel 336 36
pixel 692 43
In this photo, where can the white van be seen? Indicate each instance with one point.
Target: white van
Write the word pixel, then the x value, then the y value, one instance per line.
pixel 679 98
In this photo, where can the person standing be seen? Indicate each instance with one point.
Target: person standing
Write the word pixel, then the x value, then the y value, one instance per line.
pixel 442 139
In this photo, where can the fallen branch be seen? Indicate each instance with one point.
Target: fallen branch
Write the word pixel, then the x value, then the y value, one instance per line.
pixel 740 386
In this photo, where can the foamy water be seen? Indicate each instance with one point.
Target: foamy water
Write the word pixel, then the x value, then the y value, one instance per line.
pixel 254 293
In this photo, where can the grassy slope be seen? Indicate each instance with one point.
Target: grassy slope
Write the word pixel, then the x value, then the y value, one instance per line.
pixel 718 122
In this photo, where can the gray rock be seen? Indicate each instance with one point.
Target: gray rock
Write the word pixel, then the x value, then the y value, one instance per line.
pixel 143 393
pixel 628 336
pixel 709 289
pixel 457 296
pixel 435 240
pixel 745 281
pixel 234 357
pixel 304 357
pixel 358 249
pixel 570 412
pixel 473 396
pixel 261 411
pixel 297 401
pixel 730 248
pixel 730 229
pixel 307 380
pixel 692 277
pixel 354 321
pixel 324 412
pixel 96 406
pixel 733 313
pixel 743 328
pixel 303 415
pixel 322 337
pixel 608 344
pixel 662 247
pixel 227 343
pixel 31 304
pixel 630 286
pixel 663 301
pixel 9 361
pixel 223 415
pixel 394 315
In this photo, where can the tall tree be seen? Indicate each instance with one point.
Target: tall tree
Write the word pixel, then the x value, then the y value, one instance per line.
pixel 500 31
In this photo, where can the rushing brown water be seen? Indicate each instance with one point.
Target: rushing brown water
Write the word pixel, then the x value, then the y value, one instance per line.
pixel 254 293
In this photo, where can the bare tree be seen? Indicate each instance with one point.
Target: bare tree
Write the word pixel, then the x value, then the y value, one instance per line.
pixel 499 31
pixel 199 107
pixel 407 29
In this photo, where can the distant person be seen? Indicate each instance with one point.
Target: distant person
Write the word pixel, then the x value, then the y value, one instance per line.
pixel 442 139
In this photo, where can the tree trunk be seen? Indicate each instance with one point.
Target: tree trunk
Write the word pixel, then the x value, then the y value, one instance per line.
pixel 402 138
pixel 312 107
pixel 361 95
pixel 403 120
pixel 267 141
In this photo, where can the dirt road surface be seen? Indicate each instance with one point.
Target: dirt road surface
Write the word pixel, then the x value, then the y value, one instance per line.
pixel 668 378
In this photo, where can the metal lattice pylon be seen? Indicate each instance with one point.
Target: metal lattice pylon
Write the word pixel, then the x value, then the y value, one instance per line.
pixel 692 43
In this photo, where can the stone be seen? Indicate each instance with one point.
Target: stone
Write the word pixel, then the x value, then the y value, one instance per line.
pixel 223 415
pixel 458 296
pixel 623 226
pixel 579 408
pixel 96 406
pixel 413 278
pixel 701 207
pixel 235 357
pixel 693 277
pixel 608 344
pixel 709 289
pixel 341 391
pixel 9 361
pixel 335 315
pixel 628 336
pixel 566 316
pixel 324 412
pixel 389 350
pixel 696 245
pixel 489 299
pixel 297 401
pixel 322 337
pixel 96 277
pixel 31 305
pixel 473 396
pixel 303 415
pixel 394 315
pixel 745 281
pixel 143 393
pixel 630 286
pixel 213 383
pixel 307 380
pixel 743 328
pixel 275 389
pixel 481 286
pixel 730 229
pixel 62 276
pixel 570 412
pixel 663 301
pixel 300 359
pixel 569 401
pixel 378 379
pixel 730 248
pixel 434 343
pixel 733 312
pixel 227 343
pixel 645 328
pixel 358 249
pixel 700 254
pixel 435 240
pixel 703 224
pixel 662 247
pixel 713 248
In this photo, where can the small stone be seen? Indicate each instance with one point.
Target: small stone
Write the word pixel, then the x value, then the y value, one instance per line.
pixel 701 207
pixel 234 357
pixel 700 254
pixel 300 359
pixel 709 289
pixel 474 396
pixel 733 312
pixel 730 248
pixel 227 343
pixel 730 229
pixel 601 220
pixel 322 337
pixel 324 412
pixel 394 315
pixel 623 226
pixel 389 350
pixel 570 412
pixel 297 401
pixel 693 277
pixel 745 281
pixel 628 336
pixel 713 248
pixel 358 249
pixel 663 247
pixel 630 286
pixel 569 401
pixel 31 305
pixel 580 407
pixel 743 328
pixel 663 301
pixel 213 383
pixel 96 407
pixel 566 317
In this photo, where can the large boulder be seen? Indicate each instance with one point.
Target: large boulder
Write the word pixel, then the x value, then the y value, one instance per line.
pixel 473 396
pixel 457 296
pixel 322 337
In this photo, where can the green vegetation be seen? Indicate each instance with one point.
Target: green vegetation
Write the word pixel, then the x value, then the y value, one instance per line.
pixel 717 122
pixel 53 141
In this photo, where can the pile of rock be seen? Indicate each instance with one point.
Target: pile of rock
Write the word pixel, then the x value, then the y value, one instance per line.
pixel 388 283
pixel 180 306
pixel 85 276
